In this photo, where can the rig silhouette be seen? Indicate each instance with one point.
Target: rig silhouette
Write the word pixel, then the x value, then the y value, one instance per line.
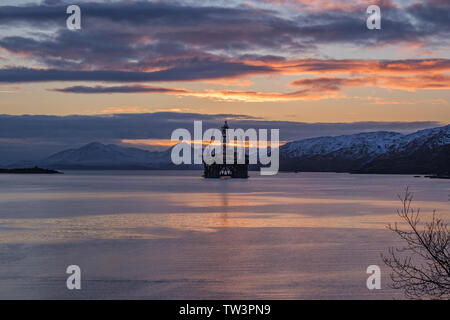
pixel 234 170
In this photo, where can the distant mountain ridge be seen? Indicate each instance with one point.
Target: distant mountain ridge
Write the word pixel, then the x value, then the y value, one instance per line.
pixel 96 155
pixel 423 152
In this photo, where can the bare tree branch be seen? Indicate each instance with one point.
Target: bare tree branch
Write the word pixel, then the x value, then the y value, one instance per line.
pixel 421 268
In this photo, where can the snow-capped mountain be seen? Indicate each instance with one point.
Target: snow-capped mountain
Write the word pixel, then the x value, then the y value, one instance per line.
pixel 425 151
pixel 430 138
pixel 98 155
pixel 352 146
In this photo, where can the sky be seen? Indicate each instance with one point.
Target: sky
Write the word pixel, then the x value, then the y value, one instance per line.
pixel 277 61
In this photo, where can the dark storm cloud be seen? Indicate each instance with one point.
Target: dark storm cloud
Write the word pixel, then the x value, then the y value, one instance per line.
pixel 138 36
pixel 132 12
pixel 433 16
pixel 202 24
pixel 32 14
pixel 344 27
pixel 118 89
pixel 200 71
pixel 143 35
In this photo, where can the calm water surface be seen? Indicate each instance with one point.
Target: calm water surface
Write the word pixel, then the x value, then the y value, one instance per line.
pixel 174 235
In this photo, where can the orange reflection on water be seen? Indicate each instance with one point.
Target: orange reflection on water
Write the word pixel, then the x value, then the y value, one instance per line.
pixel 142 226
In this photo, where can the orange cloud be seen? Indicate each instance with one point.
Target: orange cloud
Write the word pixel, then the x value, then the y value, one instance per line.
pixel 409 75
pixel 254 96
pixel 409 83
pixel 317 66
pixel 311 89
